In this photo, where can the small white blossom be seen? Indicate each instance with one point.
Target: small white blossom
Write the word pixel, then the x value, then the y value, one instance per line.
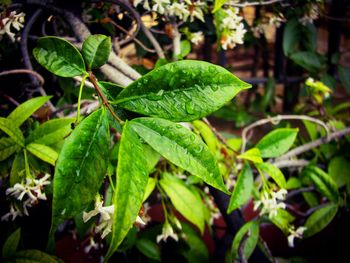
pixel 295 234
pixel 160 6
pixel 92 245
pixel 14 212
pixel 270 203
pixel 196 10
pixel 178 9
pixel 311 15
pixel 13 20
pixel 196 38
pixel 167 231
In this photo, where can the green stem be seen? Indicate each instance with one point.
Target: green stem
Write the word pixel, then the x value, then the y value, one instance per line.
pixel 111 182
pixel 80 94
pixel 26 164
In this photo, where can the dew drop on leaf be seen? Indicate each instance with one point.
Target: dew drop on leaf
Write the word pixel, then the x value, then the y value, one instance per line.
pixel 189 107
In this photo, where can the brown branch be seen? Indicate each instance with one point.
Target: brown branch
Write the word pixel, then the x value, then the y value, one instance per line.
pixel 308 146
pixel 24 71
pixel 103 97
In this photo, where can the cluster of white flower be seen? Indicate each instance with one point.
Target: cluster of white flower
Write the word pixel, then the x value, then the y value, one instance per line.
pixel 31 191
pixel 13 20
pixel 196 38
pixel 271 202
pixel 311 15
pixel 295 234
pixel 186 10
pixel 106 217
pixel 167 231
pixel 232 29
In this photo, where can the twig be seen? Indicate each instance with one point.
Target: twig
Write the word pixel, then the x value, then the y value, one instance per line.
pixel 153 40
pixel 275 120
pixel 291 163
pixel 308 146
pixel 176 41
pixel 86 109
pixel 103 97
pixel 292 209
pixel 241 247
pixel 24 71
pixel 217 134
pixel 258 3
pixel 87 83
pixel 299 191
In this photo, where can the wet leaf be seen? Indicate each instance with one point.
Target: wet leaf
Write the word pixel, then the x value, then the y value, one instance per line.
pixel 10 128
pixel 242 190
pixel 7 148
pixel 151 184
pixel 59 57
pixel 252 155
pixel 339 170
pixel 181 91
pixel 81 166
pixel 207 135
pixel 274 172
pixel 43 152
pixel 181 147
pixel 96 50
pixel 132 179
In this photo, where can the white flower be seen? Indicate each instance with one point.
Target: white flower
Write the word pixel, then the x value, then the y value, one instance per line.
pixel 160 6
pixel 196 10
pixel 271 204
pixel 179 10
pixel 145 4
pixel 167 231
pixel 311 15
pixel 295 234
pixel 13 20
pixel 92 245
pixel 14 212
pixel 196 38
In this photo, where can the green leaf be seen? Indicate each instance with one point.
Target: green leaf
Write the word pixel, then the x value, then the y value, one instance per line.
pixel 148 248
pixel 319 219
pixel 218 4
pixel 81 166
pixel 96 50
pixel 151 184
pixel 310 61
pixel 184 200
pixel 51 132
pixel 111 90
pixel 293 183
pixel 311 129
pixel 339 170
pixel 253 155
pixel 251 230
pixel 181 147
pixel 291 37
pixel 185 48
pixel 7 148
pixel 11 244
pixel 274 172
pixel 242 190
pixel 282 220
pixel 34 256
pixel 323 182
pixel 181 91
pixel 132 178
pixel 277 142
pixel 10 128
pixel 311 199
pixel 207 135
pixel 43 152
pixel 26 109
pixel 59 57
pixel 344 76
pixel 198 251
pixel 151 156
pixel 17 169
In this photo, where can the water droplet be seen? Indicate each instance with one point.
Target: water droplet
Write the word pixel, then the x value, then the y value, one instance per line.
pixel 156 96
pixel 192 137
pixel 160 92
pixel 198 149
pixel 139 84
pixel 212 69
pixel 179 126
pixel 78 178
pixel 145 81
pixel 189 107
pixel 214 87
pixel 182 80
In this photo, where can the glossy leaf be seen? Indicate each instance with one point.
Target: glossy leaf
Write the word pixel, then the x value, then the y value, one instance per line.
pixel 218 4
pixel 43 152
pixel 320 219
pixel 51 132
pixel 197 251
pixel 207 135
pixel 274 172
pixel 111 90
pixel 181 147
pixel 96 50
pixel 242 190
pixel 81 166
pixel 34 256
pixel 59 57
pixel 339 170
pixel 181 91
pixel 293 183
pixel 132 179
pixel 282 220
pixel 291 36
pixel 7 148
pixel 323 182
pixel 152 157
pixel 10 128
pixel 308 60
pixel 18 169
pixel 184 200
pixel 248 233
pixel 253 155
pixel 148 248
pixel 151 184
pixel 277 142
pixel 11 244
